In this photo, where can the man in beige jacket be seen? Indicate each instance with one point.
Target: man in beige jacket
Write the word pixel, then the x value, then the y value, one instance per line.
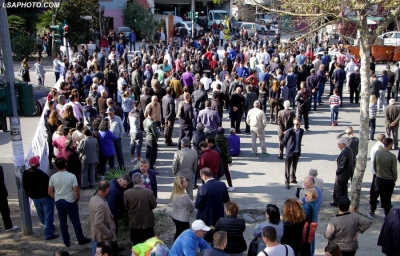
pixel 257 121
pixel 102 225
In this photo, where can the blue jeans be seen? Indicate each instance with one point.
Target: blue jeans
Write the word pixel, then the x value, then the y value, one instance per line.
pixel 292 95
pixel 136 147
pixel 321 89
pixel 94 246
pixel 45 210
pixel 313 98
pixel 334 113
pixel 125 122
pixel 132 44
pixel 65 208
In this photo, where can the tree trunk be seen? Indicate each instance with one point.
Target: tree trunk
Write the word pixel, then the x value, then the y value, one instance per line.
pixel 362 156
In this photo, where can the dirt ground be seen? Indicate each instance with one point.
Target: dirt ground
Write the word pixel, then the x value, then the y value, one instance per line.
pixel 15 243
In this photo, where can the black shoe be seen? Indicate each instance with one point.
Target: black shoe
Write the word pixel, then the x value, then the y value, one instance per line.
pixel 333 204
pixel 85 241
pixel 287 186
pixel 84 188
pixel 54 236
pixel 68 244
pixel 280 157
pixel 293 181
pixel 172 144
pixel 195 187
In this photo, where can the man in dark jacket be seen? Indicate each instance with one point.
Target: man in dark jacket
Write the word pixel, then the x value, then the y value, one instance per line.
pixel 389 237
pixel 285 122
pixel 115 198
pixel 168 108
pixel 312 83
pixel 339 75
pixel 354 84
pixel 220 240
pixel 210 199
pixel 292 142
pixel 149 176
pixel 185 119
pixel 343 171
pixel 4 209
pixel 237 105
pixel 199 98
pixel 375 87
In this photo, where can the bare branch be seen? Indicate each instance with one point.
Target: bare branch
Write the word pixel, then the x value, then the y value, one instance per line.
pixel 389 19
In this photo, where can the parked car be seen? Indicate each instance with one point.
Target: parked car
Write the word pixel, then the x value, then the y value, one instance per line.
pixel 273 24
pixel 252 28
pixel 188 25
pixel 391 38
pixel 126 30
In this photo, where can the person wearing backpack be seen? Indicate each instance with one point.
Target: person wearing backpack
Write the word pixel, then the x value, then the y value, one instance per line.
pixel 273 247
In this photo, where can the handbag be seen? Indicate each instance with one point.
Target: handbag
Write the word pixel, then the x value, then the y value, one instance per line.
pixel 309 230
pixel 253 247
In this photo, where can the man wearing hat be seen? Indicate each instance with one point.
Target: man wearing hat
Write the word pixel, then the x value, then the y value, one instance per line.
pixel 190 240
pixel 117 128
pixel 36 183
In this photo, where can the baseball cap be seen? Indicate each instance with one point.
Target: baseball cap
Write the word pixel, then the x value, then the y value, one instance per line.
pixel 110 110
pixel 200 225
pixel 34 161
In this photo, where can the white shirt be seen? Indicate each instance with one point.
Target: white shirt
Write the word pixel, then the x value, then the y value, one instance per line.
pixel 278 250
pixel 256 119
pixel 121 81
pixel 267 58
pixel 206 81
pixel 214 86
pixel 253 62
pixel 373 152
pixel 63 183
pixel 350 67
pixel 168 58
pixel 75 109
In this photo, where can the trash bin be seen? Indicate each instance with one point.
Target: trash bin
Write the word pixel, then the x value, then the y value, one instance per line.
pixel 25 98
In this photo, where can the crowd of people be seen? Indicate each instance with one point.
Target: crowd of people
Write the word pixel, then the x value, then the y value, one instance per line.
pixel 106 98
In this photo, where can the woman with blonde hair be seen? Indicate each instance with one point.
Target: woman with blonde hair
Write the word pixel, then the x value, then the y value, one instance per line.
pixel 68 119
pixel 310 208
pixel 373 109
pixel 182 206
pixel 51 126
pixel 234 227
pixel 274 95
pixel 25 67
pixel 293 219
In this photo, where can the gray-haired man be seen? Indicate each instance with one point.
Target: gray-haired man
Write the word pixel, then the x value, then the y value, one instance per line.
pixel 257 121
pixel 285 122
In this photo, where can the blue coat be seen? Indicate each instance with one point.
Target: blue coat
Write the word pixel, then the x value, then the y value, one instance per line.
pixel 107 143
pixel 311 208
pixel 210 201
pixel 152 177
pixel 115 199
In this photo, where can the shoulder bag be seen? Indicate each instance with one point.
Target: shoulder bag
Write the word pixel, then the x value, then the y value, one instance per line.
pixel 309 230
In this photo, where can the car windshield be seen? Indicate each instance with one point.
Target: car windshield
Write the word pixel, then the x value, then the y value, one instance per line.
pixel 220 15
pixel 125 29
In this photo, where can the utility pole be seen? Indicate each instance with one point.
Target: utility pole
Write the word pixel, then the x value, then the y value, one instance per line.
pixel 15 126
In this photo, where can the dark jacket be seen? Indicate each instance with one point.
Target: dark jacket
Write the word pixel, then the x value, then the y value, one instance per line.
pixel 36 183
pixel 375 87
pixel 168 107
pixel 213 252
pixel 186 116
pixel 223 144
pixel 389 237
pixel 285 120
pixel 210 201
pixel 145 99
pixel 115 199
pixel 292 234
pixel 198 136
pixel 3 189
pixel 152 177
pixel 70 122
pixel 235 228
pixel 289 141
pixel 345 164
pixel 199 98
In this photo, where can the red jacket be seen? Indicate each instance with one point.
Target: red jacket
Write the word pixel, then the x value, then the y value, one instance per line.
pixel 103 42
pixel 209 158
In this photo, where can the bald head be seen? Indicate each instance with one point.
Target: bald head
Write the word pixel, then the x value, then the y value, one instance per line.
pixel 381 137
pixel 309 182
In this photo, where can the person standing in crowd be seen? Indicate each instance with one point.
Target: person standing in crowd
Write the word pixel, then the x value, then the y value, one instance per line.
pixel 292 142
pixel 102 225
pixel 311 211
pixel 285 122
pixel 223 144
pixel 385 166
pixel 234 143
pixel 388 237
pixel 352 142
pixel 88 150
pixel 106 142
pixel 135 133
pixel 355 85
pixel 152 135
pixel 302 97
pixel 392 117
pixel 272 216
pixel 237 105
pixel 182 205
pixel 185 164
pixel 140 203
pixel 39 71
pixel 257 122
pixel 198 136
pixel 117 128
pixel 339 76
pixel 343 172
pixel 373 109
pixel 190 240
pixel 168 107
pixel 186 115
pixel 63 187
pixel 36 183
pixel 234 227
pixel 293 219
pixel 209 158
pixel 209 118
pixel 273 247
pixel 344 228
pixel 334 103
pixel 210 199
pixel 115 199
pixel 249 98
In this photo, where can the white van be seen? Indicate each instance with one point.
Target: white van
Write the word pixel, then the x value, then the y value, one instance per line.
pixel 217 16
pixel 391 38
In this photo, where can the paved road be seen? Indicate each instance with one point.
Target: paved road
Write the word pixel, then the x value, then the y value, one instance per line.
pixel 258 180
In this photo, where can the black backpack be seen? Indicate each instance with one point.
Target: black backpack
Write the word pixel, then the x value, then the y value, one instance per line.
pixel 253 247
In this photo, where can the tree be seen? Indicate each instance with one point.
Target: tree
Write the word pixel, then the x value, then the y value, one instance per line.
pixel 140 19
pixel 318 14
pixel 45 20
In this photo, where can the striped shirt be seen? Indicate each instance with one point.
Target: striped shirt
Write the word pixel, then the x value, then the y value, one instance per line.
pixel 334 100
pixel 373 108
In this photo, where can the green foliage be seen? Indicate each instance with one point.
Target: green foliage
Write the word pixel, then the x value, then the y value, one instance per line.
pixel 44 21
pixel 16 22
pixel 81 31
pixel 140 19
pixel 22 45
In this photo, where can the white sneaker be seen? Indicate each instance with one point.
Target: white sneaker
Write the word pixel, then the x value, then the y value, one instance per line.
pixel 134 160
pixel 230 189
pixel 12 229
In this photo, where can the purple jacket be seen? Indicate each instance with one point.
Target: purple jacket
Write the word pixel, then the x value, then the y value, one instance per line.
pixel 234 145
pixel 209 118
pixel 187 79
